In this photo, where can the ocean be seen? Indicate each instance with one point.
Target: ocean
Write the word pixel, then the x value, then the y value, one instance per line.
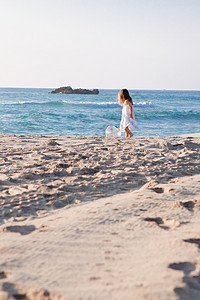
pixel 157 112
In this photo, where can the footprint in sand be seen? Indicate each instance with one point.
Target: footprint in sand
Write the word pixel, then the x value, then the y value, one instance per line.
pixel 23 230
pixel 158 221
pixel 192 282
pixel 4 274
pixel 164 224
pixel 158 190
pixel 186 267
pixel 188 205
pixel 193 241
pixel 13 291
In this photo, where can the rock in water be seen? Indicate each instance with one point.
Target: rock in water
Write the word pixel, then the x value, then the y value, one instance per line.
pixel 69 90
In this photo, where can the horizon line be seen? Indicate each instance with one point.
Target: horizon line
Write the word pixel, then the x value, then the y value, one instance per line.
pixel 145 89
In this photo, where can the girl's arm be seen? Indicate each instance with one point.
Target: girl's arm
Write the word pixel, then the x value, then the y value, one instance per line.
pixel 131 108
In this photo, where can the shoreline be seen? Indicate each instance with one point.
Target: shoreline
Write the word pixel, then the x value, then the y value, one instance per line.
pixel 186 135
pixel 135 241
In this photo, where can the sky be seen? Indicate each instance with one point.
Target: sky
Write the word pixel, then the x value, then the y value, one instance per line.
pixel 105 44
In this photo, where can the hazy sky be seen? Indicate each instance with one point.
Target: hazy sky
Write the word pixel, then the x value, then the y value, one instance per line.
pixel 141 44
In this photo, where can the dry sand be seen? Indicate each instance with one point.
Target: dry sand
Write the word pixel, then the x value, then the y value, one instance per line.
pixel 99 218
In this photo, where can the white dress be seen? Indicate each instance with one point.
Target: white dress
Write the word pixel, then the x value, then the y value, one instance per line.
pixel 126 121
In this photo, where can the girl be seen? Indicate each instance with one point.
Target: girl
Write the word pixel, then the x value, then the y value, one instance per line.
pixel 127 121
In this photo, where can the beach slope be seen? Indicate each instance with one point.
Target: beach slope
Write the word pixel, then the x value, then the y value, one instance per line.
pixel 99 218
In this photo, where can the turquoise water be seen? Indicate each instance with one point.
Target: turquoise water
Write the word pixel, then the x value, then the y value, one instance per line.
pixel 158 113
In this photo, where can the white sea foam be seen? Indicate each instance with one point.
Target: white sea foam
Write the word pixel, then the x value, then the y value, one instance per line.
pixel 111 104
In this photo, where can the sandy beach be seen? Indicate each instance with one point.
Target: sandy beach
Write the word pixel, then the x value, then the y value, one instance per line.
pixel 99 218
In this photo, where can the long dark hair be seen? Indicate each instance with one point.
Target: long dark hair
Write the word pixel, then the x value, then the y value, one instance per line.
pixel 124 94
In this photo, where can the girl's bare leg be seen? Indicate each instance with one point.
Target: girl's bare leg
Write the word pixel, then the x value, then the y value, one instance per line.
pixel 131 134
pixel 128 132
